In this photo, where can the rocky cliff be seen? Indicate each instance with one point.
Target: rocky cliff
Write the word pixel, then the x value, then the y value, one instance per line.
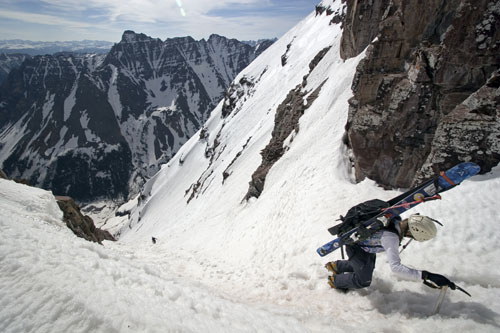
pixel 426 95
pixel 96 126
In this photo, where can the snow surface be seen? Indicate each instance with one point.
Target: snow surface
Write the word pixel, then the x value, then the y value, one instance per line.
pixel 51 281
pixel 226 265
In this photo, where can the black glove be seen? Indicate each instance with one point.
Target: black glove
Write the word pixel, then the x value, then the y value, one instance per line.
pixel 437 280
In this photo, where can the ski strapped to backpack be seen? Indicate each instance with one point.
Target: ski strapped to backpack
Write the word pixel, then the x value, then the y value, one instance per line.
pixel 365 219
pixel 365 211
pixel 407 205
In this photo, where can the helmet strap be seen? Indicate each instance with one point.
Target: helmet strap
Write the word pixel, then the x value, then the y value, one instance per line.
pixel 435 221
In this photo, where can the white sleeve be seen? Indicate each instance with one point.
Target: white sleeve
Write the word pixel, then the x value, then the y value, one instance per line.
pixel 390 243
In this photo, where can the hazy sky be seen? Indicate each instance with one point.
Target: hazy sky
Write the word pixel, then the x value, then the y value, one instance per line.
pixel 51 20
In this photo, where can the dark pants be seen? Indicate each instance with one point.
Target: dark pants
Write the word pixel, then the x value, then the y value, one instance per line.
pixel 356 272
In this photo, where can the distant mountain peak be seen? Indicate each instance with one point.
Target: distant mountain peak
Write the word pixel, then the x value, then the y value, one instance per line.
pixel 130 36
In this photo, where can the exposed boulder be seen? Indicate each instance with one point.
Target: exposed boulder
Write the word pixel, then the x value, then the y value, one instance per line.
pixel 235 93
pixel 80 224
pixel 423 62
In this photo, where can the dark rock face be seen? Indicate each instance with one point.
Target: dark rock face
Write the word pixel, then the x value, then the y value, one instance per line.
pixel 415 86
pixel 60 132
pixel 96 126
pixel 470 132
pixel 81 225
pixel 8 62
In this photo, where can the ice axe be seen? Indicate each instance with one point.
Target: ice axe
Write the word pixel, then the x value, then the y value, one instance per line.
pixel 443 289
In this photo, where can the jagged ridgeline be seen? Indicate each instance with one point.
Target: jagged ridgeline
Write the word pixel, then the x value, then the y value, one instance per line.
pixel 96 126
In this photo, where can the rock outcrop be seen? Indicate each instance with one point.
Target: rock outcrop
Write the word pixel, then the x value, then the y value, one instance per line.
pixel 424 96
pixel 81 225
pixel 470 132
pixel 286 124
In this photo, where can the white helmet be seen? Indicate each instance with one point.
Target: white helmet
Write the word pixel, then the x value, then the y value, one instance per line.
pixel 422 227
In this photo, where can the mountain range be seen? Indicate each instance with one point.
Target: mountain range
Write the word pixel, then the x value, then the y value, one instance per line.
pixel 34 48
pixel 96 126
pixel 405 115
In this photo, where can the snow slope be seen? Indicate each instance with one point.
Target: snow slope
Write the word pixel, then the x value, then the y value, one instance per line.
pixel 222 264
pixel 51 281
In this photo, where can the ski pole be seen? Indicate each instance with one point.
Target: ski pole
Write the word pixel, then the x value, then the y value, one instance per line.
pixel 440 299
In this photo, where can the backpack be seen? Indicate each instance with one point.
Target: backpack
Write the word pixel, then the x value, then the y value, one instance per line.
pixel 358 214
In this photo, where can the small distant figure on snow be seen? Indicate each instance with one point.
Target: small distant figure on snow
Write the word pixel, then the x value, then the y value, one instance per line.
pixel 153 240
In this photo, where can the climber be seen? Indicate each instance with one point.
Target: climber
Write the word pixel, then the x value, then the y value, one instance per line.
pixel 357 272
